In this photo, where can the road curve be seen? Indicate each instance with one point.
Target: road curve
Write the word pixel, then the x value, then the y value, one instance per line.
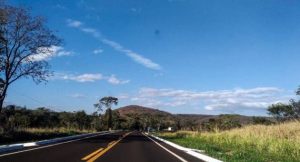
pixel 115 147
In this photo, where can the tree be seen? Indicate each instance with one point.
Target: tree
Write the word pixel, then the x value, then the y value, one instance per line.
pixel 295 108
pixel 25 43
pixel 82 120
pixel 281 111
pixel 106 103
pixel 286 111
pixel 298 91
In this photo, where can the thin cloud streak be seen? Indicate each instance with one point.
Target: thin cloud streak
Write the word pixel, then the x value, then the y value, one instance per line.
pixel 136 57
pixel 90 77
pixel 78 96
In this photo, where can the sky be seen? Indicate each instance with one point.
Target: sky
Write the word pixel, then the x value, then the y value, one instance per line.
pixel 180 56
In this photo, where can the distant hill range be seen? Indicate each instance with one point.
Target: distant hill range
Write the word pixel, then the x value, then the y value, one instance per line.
pixel 185 120
pixel 135 109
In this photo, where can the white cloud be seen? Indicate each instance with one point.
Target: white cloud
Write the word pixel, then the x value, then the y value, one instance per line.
pixel 113 80
pixel 136 57
pixel 82 78
pixel 98 51
pixel 74 23
pixel 92 31
pixel 223 100
pixel 46 53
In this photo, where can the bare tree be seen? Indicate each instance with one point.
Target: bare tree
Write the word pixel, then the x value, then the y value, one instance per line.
pixel 23 38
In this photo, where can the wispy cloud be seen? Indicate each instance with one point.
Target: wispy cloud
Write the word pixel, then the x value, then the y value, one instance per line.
pixel 224 100
pixel 113 80
pixel 47 53
pixel 74 23
pixel 78 96
pixel 136 57
pixel 83 77
pixel 136 10
pixel 89 77
pixel 98 51
pixel 60 6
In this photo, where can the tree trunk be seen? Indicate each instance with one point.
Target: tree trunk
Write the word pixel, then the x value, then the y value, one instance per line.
pixel 2 96
pixel 1 103
pixel 109 122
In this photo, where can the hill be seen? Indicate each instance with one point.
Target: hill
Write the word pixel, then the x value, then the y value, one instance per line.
pixel 200 118
pixel 161 119
pixel 139 110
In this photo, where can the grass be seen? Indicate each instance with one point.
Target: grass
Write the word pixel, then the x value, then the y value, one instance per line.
pixel 35 134
pixel 253 143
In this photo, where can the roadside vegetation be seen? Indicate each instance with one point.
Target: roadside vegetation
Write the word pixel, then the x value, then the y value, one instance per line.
pixel 253 143
pixel 20 124
pixel 264 141
pixel 36 134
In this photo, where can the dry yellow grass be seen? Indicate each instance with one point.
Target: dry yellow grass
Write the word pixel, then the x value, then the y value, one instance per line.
pixel 276 142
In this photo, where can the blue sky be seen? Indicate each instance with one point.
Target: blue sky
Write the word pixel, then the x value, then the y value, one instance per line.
pixel 181 56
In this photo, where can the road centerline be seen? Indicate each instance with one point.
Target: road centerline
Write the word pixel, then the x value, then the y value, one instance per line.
pixel 96 154
pixel 92 154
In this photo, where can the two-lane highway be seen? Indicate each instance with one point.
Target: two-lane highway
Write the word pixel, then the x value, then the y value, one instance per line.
pixel 115 147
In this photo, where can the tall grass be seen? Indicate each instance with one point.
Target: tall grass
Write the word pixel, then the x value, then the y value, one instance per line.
pixel 248 144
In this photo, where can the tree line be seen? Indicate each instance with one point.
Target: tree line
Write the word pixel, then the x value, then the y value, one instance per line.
pixel 286 111
pixel 15 117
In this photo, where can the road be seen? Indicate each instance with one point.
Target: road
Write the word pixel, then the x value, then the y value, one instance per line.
pixel 116 147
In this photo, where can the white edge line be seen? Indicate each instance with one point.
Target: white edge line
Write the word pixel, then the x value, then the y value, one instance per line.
pixel 188 151
pixel 53 144
pixel 29 144
pixel 177 156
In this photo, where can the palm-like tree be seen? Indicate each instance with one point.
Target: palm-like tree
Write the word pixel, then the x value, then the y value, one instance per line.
pixel 107 103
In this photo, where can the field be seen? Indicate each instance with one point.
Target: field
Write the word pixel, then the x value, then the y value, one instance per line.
pixel 34 134
pixel 253 143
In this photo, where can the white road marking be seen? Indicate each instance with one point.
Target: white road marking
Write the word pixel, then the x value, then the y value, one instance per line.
pixel 189 151
pixel 177 156
pixel 17 152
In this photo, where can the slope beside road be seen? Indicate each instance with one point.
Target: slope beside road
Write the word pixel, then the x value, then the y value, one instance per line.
pixel 115 147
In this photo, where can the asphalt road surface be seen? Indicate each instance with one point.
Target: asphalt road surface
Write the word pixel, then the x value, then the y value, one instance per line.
pixel 115 147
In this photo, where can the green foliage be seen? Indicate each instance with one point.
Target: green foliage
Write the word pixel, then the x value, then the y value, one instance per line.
pixel 106 102
pixel 14 118
pixel 224 122
pixel 282 111
pixel 298 91
pixel 261 120
pixel 111 119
